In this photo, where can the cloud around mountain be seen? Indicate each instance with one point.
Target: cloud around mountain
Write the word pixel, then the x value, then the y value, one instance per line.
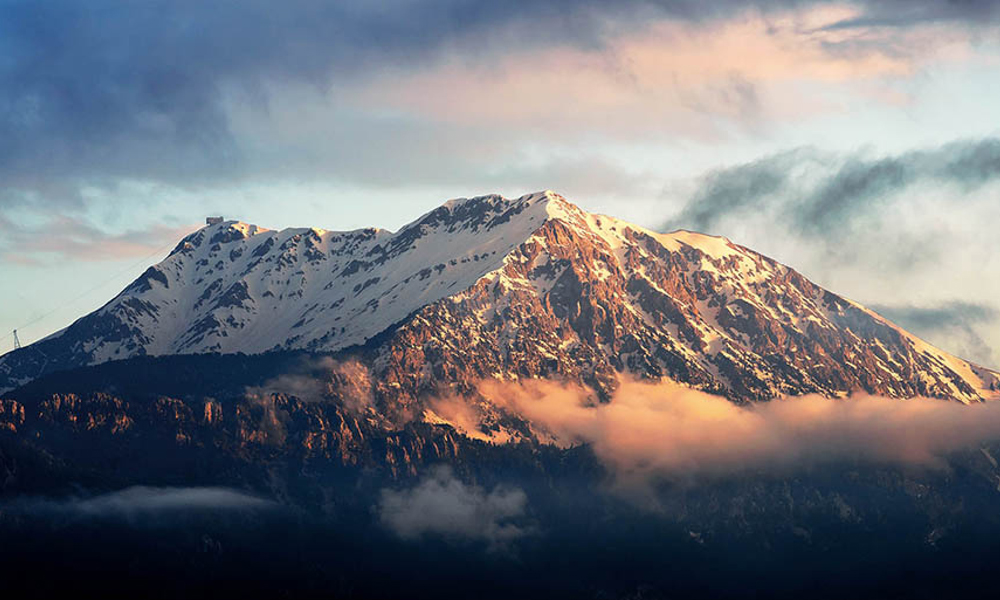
pixel 650 432
pixel 832 191
pixel 966 326
pixel 909 232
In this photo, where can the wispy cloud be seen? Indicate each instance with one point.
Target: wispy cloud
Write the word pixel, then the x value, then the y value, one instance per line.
pixel 69 238
pixel 909 13
pixel 323 379
pixel 909 229
pixel 442 505
pixel 141 502
pixel 824 192
pixel 957 324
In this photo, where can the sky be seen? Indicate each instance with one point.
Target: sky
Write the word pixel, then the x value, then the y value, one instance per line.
pixel 858 143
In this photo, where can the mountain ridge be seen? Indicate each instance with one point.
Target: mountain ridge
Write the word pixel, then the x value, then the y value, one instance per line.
pixel 557 291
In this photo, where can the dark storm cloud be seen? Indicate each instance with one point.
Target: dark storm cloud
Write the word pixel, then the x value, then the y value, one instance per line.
pixel 825 193
pixel 92 92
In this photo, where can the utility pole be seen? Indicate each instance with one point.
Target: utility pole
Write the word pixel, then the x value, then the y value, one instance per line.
pixel 17 342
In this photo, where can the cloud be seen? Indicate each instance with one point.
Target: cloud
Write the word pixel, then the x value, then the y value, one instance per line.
pixel 860 184
pixel 946 315
pixel 140 501
pixel 824 192
pixel 909 13
pixel 960 323
pixel 93 94
pixel 650 431
pixel 322 379
pixel 68 238
pixel 737 189
pixel 691 79
pixel 441 505
pixel 308 381
pixel 183 104
pixel 914 228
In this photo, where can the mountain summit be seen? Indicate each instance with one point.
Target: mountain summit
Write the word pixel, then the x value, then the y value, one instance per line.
pixel 489 287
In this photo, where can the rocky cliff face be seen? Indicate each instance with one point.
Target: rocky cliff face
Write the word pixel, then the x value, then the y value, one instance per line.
pixel 508 289
pixel 215 420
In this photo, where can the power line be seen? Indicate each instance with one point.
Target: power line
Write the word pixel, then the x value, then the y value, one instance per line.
pixel 86 292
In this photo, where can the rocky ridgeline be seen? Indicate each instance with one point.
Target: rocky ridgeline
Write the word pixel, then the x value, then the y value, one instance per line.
pixel 96 439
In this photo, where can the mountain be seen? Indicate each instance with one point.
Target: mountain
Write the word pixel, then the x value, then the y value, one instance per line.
pixel 489 287
pixel 269 414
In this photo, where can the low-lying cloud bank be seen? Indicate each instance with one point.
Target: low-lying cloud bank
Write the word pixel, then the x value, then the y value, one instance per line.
pixel 442 505
pixel 141 501
pixel 668 431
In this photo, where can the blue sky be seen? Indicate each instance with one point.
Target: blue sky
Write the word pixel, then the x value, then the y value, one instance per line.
pixel 856 142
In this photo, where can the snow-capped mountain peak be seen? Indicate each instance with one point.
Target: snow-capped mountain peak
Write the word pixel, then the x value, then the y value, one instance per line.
pixel 507 288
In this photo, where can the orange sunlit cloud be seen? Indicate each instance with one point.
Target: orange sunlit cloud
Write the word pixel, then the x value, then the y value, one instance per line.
pixel 666 430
